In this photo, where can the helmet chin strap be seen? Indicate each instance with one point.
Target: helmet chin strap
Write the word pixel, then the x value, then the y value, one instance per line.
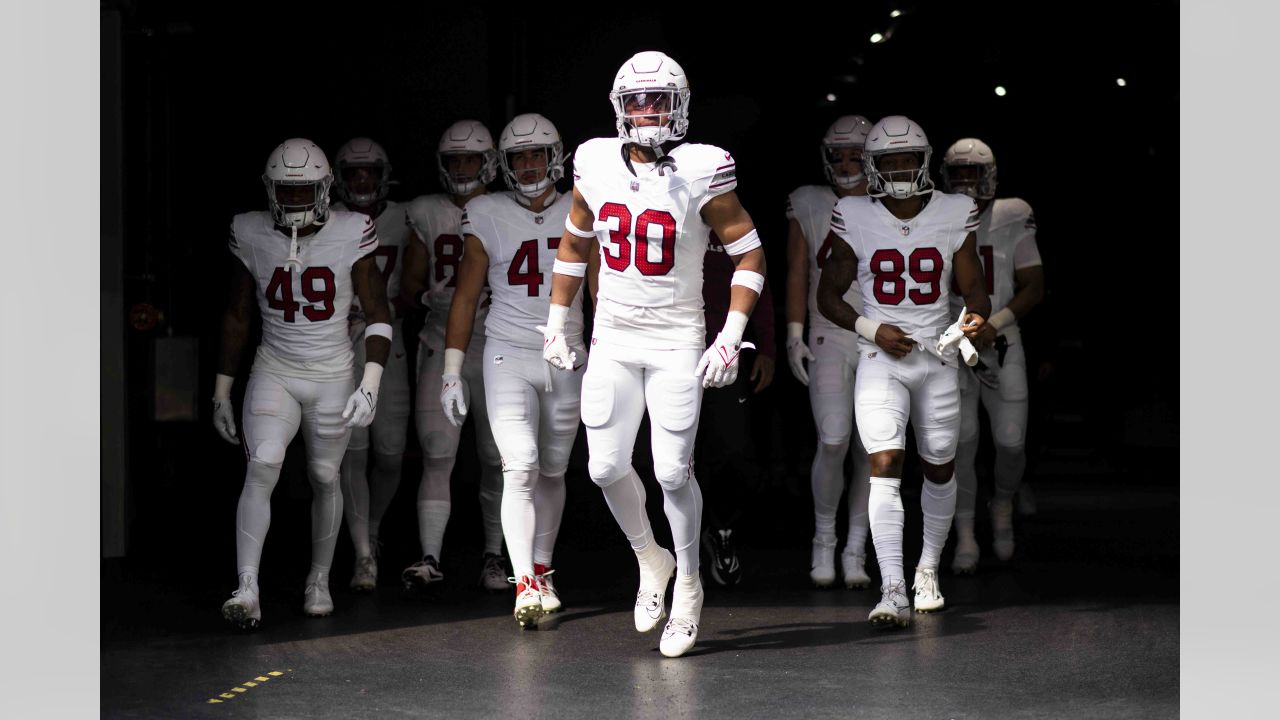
pixel 293 250
pixel 664 161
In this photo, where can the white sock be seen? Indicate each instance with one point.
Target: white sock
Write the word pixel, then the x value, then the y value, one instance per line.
pixel 519 518
pixel 683 507
pixel 938 503
pixel 548 500
pixel 625 498
pixel 491 484
pixel 827 482
pixel 433 517
pixel 884 508
pixel 686 599
pixel 253 514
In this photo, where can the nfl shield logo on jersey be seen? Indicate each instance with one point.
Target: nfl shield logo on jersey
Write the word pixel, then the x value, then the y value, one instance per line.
pixel 906 230
pixel 538 219
pixel 635 186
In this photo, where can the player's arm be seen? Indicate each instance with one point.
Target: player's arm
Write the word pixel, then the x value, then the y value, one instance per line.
pixel 371 288
pixel 970 280
pixel 413 275
pixel 472 270
pixel 235 333
pixel 838 273
pixel 1028 283
pixel 797 300
pixel 731 223
pixel 593 271
pixel 567 274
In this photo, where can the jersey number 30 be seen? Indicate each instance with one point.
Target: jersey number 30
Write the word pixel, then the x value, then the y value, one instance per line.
pixel 618 259
pixel 317 287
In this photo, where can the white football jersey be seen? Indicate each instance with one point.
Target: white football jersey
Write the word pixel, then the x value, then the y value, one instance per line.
pixel 905 266
pixel 1006 244
pixel 393 235
pixel 810 206
pixel 652 240
pixel 304 314
pixel 437 223
pixel 521 246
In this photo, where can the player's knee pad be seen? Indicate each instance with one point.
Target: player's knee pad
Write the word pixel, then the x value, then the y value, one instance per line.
pixel 323 474
pixel 938 445
pixel 1009 436
pixel 521 456
pixel 833 451
pixel 671 475
pixel 269 453
pixel 836 429
pixel 487 449
pixel 437 444
pixel 605 471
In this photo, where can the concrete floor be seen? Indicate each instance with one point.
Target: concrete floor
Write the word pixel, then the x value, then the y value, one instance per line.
pixel 1083 623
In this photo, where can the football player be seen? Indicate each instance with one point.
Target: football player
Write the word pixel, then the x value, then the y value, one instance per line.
pixel 467 162
pixel 511 238
pixel 1014 277
pixel 652 211
pixel 902 243
pixel 363 181
pixel 832 353
pixel 303 263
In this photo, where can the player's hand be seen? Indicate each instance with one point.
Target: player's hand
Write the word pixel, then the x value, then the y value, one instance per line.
pixel 361 407
pixel 797 353
pixel 453 398
pixel 555 349
pixel 719 364
pixel 892 340
pixel 762 371
pixel 975 328
pixel 224 420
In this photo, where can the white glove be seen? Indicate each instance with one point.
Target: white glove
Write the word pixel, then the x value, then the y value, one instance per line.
pixel 453 397
pixel 798 352
pixel 555 347
pixel 953 339
pixel 453 389
pixel 224 416
pixel 363 403
pixel 719 364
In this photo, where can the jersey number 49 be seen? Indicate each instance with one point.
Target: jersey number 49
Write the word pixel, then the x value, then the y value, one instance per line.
pixel 318 288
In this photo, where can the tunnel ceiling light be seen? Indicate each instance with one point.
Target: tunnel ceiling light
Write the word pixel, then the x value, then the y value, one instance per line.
pixel 831 97
pixel 895 13
pixel 1121 82
pixel 1001 91
pixel 877 37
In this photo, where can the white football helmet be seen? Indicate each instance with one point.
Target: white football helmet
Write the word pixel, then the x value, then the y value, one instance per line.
pixel 462 138
pixel 847 131
pixel 298 161
pixel 531 131
pixel 970 152
pixel 362 152
pixel 651 80
pixel 892 135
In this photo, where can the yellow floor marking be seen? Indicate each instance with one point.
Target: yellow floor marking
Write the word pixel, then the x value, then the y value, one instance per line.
pixel 239 690
pixel 249 683
pixel 275 673
pixel 227 695
pixel 262 678
pixel 212 701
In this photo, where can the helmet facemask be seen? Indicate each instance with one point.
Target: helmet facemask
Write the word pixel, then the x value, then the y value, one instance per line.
pixel 899 184
pixel 298 209
pixel 977 180
pixel 832 160
pixel 664 110
pixel 462 180
pixel 363 189
pixel 545 174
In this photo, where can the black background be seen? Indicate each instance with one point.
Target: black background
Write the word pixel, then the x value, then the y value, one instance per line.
pixel 209 89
